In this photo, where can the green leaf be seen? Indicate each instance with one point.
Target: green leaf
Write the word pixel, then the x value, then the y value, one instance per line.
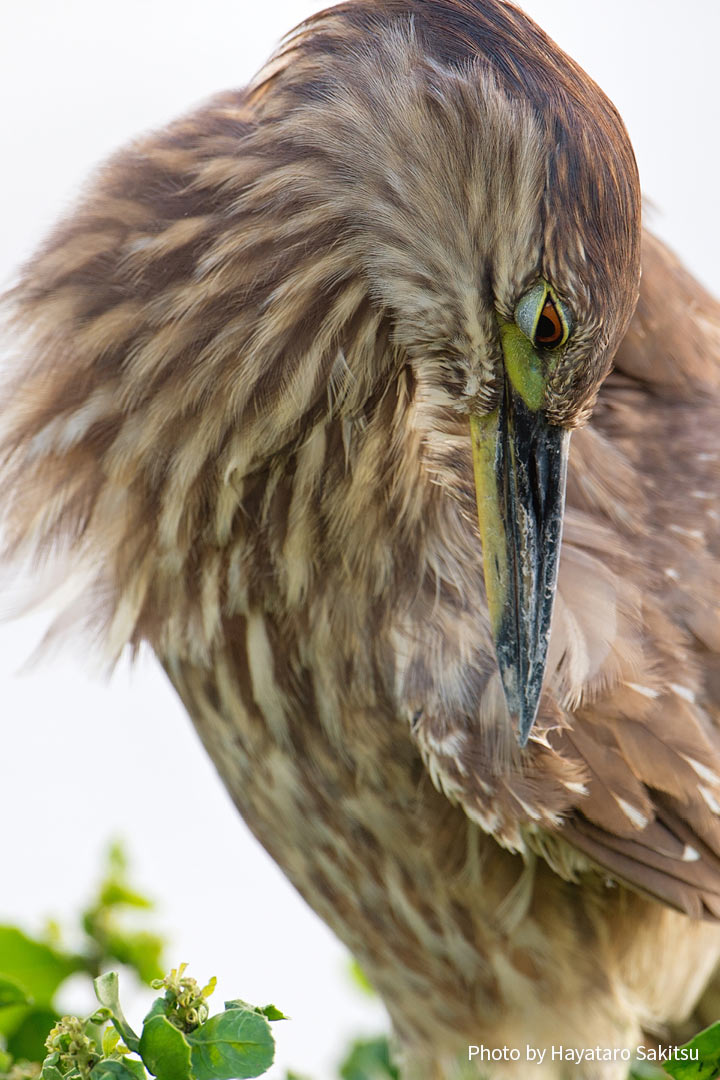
pixel 11 993
pixel 109 1040
pixel 33 964
pixel 50 1070
pixel 702 1057
pixel 106 991
pixel 28 1039
pixel 100 1016
pixel 160 1007
pixel 114 892
pixel 119 1070
pixel 232 1045
pixel 369 1059
pixel 164 1049
pixel 136 1068
pixel 272 1013
pixel 269 1011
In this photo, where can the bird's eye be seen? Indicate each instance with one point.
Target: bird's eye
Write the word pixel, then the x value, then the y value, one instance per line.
pixel 542 317
pixel 549 330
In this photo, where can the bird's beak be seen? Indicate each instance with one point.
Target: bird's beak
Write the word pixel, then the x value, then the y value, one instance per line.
pixel 520 464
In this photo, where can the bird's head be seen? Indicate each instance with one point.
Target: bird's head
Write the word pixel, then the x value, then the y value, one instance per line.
pixel 428 184
pixel 491 195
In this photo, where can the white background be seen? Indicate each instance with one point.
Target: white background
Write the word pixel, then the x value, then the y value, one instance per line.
pixel 81 761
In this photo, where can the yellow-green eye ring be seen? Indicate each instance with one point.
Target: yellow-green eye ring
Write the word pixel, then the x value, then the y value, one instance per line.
pixel 542 317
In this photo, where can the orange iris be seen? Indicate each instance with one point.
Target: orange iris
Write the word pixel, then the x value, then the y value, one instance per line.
pixel 549 331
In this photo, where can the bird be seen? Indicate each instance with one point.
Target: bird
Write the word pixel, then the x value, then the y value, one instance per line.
pixel 346 394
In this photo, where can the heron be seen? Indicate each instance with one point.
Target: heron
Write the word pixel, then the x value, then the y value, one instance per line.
pixel 345 394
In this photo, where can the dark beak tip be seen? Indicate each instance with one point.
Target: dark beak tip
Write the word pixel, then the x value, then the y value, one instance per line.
pixel 522 704
pixel 523 720
pixel 524 727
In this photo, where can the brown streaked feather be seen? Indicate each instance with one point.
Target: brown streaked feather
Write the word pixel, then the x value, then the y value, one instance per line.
pixel 240 412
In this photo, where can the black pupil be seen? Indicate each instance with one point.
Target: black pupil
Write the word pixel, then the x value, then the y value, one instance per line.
pixel 546 329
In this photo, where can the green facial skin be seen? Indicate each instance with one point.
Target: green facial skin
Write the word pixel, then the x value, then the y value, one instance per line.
pixel 526 366
pixel 519 463
pixel 523 366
